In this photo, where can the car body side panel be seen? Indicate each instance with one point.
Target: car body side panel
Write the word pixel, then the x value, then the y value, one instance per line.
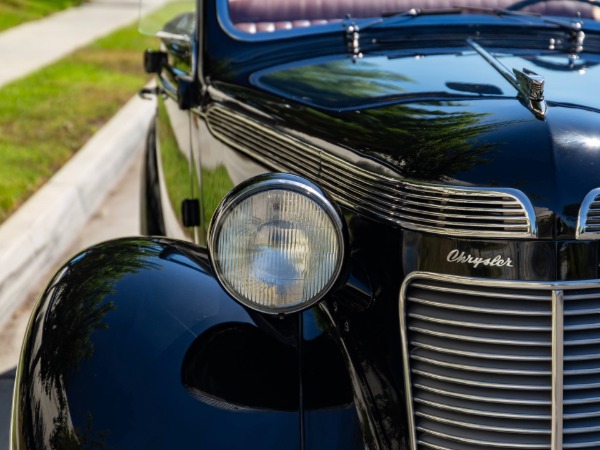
pixel 219 168
pixel 174 165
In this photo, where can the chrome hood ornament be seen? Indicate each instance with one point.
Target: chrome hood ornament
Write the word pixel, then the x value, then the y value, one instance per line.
pixel 528 84
pixel 531 86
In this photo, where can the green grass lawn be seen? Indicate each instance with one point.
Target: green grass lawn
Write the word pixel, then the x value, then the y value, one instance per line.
pixel 46 117
pixel 15 12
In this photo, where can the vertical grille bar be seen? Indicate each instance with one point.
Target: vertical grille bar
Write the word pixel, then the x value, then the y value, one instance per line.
pixel 557 368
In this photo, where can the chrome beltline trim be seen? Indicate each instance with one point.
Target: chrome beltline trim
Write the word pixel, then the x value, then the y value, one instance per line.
pixel 376 195
pixel 556 289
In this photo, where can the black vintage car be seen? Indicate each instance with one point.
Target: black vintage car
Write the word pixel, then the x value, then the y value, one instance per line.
pixel 375 226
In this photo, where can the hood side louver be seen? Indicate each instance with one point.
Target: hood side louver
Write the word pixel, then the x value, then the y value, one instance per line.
pixel 450 210
pixel 588 222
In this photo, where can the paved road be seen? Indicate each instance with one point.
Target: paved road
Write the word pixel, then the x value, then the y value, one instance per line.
pixel 117 217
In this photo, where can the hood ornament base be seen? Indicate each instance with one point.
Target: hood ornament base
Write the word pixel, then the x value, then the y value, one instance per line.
pixel 528 84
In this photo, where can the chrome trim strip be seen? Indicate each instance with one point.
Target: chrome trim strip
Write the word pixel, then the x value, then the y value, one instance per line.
pixel 482 413
pixel 482 427
pixel 558 308
pixel 487 326
pixel 381 196
pixel 503 401
pixel 388 190
pixel 593 371
pixel 558 292
pixel 582 326
pixel 478 310
pixel 583 416
pixel 485 294
pixel 406 365
pixel 582 312
pixel 581 402
pixel 481 442
pixel 582 386
pixel 420 224
pixel 477 382
pixel 581 297
pixel 517 284
pixel 437 362
pixel 476 339
pixel 581 231
pixel 480 355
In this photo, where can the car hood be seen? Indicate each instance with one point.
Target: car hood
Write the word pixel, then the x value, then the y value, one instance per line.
pixel 451 117
pixel 343 83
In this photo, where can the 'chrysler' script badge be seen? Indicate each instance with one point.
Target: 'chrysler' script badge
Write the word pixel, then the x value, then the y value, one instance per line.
pixel 456 256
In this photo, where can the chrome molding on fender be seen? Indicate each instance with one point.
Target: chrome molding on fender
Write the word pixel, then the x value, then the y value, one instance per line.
pixel 501 364
pixel 451 210
pixel 588 221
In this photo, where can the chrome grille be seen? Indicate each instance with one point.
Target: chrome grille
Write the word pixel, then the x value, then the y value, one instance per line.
pixel 455 211
pixel 485 366
pixel 588 222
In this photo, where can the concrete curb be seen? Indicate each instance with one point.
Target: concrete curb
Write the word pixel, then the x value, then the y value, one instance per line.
pixel 37 236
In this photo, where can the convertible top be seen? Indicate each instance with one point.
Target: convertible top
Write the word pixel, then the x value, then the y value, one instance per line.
pixel 254 16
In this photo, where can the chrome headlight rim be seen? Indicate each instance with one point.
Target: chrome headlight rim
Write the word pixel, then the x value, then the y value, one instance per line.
pixel 280 181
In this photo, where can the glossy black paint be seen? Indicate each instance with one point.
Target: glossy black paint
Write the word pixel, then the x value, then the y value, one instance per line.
pixel 137 335
pixel 135 345
pixel 377 106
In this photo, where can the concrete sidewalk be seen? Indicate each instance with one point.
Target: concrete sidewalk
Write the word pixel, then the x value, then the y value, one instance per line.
pixel 30 46
pixel 40 231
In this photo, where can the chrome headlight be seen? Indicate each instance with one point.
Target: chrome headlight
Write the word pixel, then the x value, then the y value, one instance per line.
pixel 277 243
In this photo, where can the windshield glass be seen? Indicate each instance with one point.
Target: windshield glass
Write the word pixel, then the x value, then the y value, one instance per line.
pixel 171 19
pixel 266 16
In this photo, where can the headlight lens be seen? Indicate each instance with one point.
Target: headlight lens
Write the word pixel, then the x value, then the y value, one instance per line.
pixel 277 243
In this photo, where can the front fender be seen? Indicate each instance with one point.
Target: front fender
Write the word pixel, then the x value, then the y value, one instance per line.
pixel 119 354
